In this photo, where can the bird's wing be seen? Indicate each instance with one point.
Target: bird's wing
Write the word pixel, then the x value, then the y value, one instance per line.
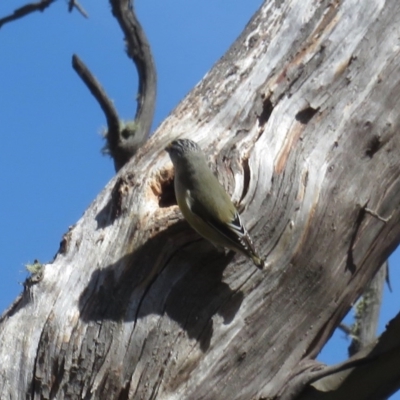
pixel 233 230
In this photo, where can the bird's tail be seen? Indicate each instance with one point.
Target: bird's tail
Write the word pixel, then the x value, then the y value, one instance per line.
pixel 258 261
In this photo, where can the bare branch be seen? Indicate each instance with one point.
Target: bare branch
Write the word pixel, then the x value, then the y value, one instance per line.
pixel 25 10
pixel 345 328
pixel 317 371
pixel 74 3
pixel 123 139
pixel 139 51
pixel 381 359
pixel 98 92
pixel 387 278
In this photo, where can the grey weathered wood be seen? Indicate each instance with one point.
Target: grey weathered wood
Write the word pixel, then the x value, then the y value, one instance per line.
pixel 367 310
pixel 375 380
pixel 300 120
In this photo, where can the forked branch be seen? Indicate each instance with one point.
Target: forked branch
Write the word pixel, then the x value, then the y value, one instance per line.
pixel 38 6
pixel 124 139
pixel 25 10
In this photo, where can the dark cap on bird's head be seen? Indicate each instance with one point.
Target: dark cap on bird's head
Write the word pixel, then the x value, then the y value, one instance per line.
pixel 180 147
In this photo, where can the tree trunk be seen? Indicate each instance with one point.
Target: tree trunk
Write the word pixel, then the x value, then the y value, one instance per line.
pixel 300 120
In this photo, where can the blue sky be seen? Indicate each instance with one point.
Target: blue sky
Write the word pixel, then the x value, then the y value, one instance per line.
pixel 51 165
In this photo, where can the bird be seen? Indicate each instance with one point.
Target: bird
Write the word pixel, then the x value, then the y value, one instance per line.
pixel 204 202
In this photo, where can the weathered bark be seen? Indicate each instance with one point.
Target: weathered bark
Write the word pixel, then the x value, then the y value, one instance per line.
pixel 300 119
pixel 375 380
pixel 367 310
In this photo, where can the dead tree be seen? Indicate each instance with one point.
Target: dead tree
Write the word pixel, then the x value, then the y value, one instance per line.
pixel 300 120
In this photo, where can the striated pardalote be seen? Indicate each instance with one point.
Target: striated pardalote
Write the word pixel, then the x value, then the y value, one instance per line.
pixel 204 202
